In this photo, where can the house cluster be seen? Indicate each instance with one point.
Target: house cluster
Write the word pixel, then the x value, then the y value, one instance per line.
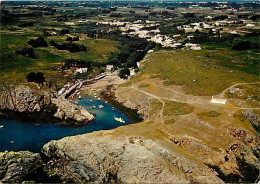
pixel 195 26
pixel 148 30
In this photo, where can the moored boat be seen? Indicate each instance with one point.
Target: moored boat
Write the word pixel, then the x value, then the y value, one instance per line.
pixel 119 119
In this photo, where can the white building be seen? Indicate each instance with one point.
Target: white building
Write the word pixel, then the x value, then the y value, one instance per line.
pixel 69 23
pixel 250 25
pixel 218 100
pixel 132 71
pixel 138 64
pixel 82 70
pixel 109 67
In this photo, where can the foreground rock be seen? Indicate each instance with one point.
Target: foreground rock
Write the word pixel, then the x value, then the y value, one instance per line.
pixel 23 99
pixel 106 156
pixel 16 166
pixel 69 111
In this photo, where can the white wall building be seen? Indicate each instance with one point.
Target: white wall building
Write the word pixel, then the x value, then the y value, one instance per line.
pixel 109 67
pixel 82 70
pixel 218 100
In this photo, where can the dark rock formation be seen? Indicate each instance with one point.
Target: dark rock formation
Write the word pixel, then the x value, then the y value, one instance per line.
pixel 16 166
pixel 23 99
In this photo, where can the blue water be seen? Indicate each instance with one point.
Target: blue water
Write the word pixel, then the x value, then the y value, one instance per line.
pixel 20 136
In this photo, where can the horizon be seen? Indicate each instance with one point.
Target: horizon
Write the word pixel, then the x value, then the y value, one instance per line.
pixel 181 1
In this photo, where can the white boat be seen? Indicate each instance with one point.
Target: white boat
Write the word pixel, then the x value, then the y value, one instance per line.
pixel 91 100
pixel 94 106
pixel 79 97
pixel 101 106
pixel 1 126
pixel 119 119
pixel 98 99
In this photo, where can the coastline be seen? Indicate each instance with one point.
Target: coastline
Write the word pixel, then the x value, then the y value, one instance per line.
pixel 109 96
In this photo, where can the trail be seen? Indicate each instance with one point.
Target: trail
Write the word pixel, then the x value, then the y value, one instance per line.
pixel 222 94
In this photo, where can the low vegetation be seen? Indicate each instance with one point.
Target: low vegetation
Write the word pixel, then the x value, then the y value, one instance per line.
pixel 209 114
pixel 247 92
pixel 173 108
pixel 155 107
pixel 204 72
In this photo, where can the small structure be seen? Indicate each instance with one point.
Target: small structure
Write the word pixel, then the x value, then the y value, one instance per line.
pixel 82 70
pixel 218 100
pixel 138 64
pixel 132 71
pixel 109 67
pixel 250 25
pixel 69 23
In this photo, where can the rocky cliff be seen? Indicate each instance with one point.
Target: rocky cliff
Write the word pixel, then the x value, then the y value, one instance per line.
pixel 16 166
pixel 69 111
pixel 108 156
pixel 23 99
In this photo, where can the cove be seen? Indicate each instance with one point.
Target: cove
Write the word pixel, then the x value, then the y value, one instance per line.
pixel 21 136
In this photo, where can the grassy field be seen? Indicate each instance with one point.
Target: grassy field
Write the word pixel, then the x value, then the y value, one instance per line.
pixel 204 72
pixel 97 49
pixel 176 108
pixel 14 68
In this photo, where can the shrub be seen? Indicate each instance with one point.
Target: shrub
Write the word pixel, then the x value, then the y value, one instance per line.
pixel 72 47
pixel 243 45
pixel 29 52
pixel 39 42
pixel 35 77
pixel 124 73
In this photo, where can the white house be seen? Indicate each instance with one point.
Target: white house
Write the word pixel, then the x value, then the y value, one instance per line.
pixel 218 100
pixel 82 70
pixel 250 25
pixel 132 71
pixel 69 23
pixel 109 67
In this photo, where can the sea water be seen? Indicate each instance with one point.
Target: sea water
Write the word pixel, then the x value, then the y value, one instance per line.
pixel 21 136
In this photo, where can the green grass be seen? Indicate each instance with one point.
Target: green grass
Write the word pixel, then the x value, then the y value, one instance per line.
pixel 97 49
pixel 209 114
pixel 204 72
pixel 143 85
pixel 176 108
pixel 14 68
pixel 155 106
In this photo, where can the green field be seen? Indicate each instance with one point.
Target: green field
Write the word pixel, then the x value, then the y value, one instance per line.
pixel 204 72
pixel 14 68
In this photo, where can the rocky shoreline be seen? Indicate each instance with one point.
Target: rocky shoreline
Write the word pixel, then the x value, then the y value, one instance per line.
pixel 21 102
pixel 109 96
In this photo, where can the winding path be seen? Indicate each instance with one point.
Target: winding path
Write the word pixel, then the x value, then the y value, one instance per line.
pixel 222 94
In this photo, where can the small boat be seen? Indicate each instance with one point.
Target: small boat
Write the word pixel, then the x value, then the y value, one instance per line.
pixel 11 142
pixel 119 119
pixel 91 100
pixel 94 106
pixel 98 99
pixel 101 106
pixel 1 126
pixel 79 97
pixel 86 93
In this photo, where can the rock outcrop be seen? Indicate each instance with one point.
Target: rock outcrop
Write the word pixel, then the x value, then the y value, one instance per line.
pixel 69 111
pixel 23 99
pixel 16 166
pixel 106 156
